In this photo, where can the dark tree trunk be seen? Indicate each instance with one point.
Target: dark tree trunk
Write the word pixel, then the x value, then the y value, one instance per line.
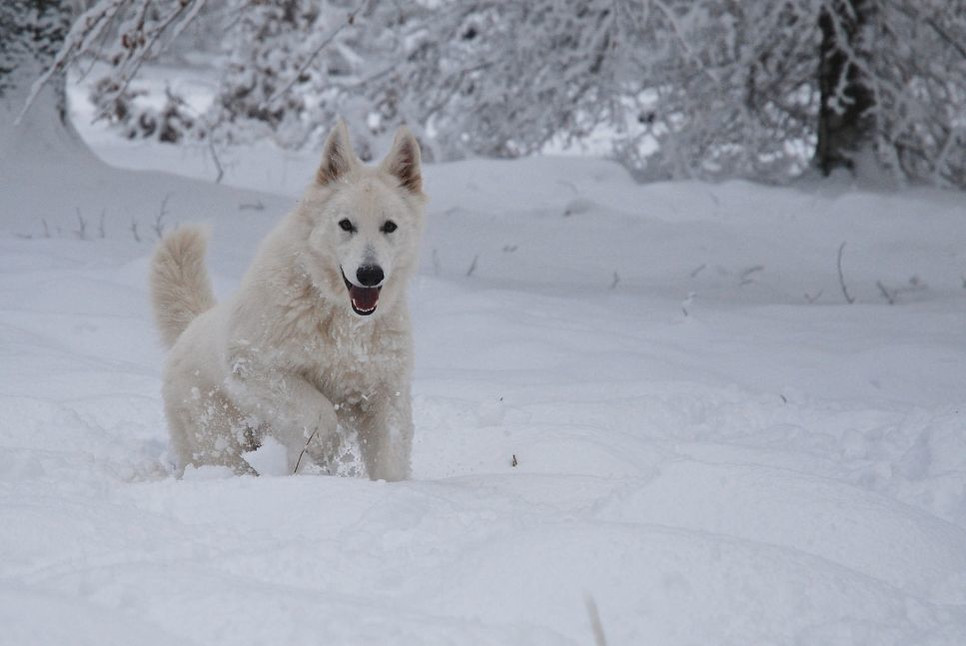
pixel 845 124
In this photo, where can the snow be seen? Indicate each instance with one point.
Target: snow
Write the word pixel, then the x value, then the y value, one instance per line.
pixel 650 396
pixel 269 459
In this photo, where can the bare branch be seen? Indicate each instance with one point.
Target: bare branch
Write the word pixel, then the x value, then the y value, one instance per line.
pixel 890 296
pixel 214 157
pixel 252 206
pixel 595 624
pixel 845 292
pixel 811 299
pixel 159 218
pixel 81 225
pixel 304 449
pixel 746 276
pixel 325 42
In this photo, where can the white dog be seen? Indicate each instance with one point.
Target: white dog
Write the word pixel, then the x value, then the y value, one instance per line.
pixel 317 336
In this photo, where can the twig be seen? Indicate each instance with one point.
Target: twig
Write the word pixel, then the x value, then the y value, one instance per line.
pixel 159 219
pixel 134 230
pixel 811 299
pixel 469 272
pixel 945 36
pixel 698 270
pixel 684 40
pixel 304 449
pixel 686 303
pixel 350 19
pixel 513 460
pixel 615 281
pixel 848 298
pixel 47 235
pixel 748 272
pixel 214 157
pixel 936 28
pixel 100 225
pixel 889 296
pixel 81 225
pixel 158 30
pixel 252 206
pixel 595 625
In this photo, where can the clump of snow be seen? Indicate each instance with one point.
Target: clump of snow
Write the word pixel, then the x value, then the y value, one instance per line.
pixel 269 459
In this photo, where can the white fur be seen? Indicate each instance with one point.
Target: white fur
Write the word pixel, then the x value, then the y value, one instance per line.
pixel 287 356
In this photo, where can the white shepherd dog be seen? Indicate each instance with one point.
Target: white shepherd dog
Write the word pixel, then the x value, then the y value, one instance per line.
pixel 317 336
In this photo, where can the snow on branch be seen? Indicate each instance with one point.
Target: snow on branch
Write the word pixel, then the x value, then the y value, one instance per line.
pixel 137 38
pixel 679 88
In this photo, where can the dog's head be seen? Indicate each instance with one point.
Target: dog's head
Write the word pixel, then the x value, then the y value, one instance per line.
pixel 364 223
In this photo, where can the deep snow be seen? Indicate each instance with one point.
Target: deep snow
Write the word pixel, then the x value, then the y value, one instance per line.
pixel 709 442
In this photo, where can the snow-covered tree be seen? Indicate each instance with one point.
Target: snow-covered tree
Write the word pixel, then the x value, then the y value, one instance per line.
pixel 281 59
pixel 711 88
pixel 846 126
pixel 917 77
pixel 727 88
pixel 31 34
pixel 893 84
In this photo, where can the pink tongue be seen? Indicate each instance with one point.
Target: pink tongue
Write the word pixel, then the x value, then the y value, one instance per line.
pixel 364 298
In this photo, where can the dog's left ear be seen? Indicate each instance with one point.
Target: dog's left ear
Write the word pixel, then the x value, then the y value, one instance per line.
pixel 402 162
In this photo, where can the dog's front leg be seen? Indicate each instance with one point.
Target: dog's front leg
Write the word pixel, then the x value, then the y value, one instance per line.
pixel 386 434
pixel 292 407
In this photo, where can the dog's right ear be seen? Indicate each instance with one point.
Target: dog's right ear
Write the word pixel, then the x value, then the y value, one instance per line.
pixel 338 158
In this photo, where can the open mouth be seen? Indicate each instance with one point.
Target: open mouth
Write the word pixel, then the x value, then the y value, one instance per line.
pixel 363 299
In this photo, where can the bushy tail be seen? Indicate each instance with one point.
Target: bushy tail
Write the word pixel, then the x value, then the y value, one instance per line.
pixel 180 287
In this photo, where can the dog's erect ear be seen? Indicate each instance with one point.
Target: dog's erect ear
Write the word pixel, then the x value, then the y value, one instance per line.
pixel 338 158
pixel 402 162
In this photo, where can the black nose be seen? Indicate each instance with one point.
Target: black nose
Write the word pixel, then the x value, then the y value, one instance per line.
pixel 370 275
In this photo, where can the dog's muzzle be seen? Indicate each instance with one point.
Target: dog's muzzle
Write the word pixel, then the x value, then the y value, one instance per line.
pixel 362 299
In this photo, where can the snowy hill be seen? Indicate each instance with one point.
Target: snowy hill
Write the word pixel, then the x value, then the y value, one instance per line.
pixel 654 397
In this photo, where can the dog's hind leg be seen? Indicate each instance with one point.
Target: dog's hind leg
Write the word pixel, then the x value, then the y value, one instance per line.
pixel 206 429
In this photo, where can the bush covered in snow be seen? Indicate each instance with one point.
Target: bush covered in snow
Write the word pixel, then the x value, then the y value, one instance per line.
pixel 710 88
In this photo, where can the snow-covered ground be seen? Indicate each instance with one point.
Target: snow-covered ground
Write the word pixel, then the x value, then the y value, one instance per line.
pixel 653 400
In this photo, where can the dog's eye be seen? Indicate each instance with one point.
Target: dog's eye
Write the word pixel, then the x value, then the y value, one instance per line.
pixel 345 225
pixel 389 226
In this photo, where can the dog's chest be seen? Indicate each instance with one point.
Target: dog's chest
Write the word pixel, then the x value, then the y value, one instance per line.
pixel 351 363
